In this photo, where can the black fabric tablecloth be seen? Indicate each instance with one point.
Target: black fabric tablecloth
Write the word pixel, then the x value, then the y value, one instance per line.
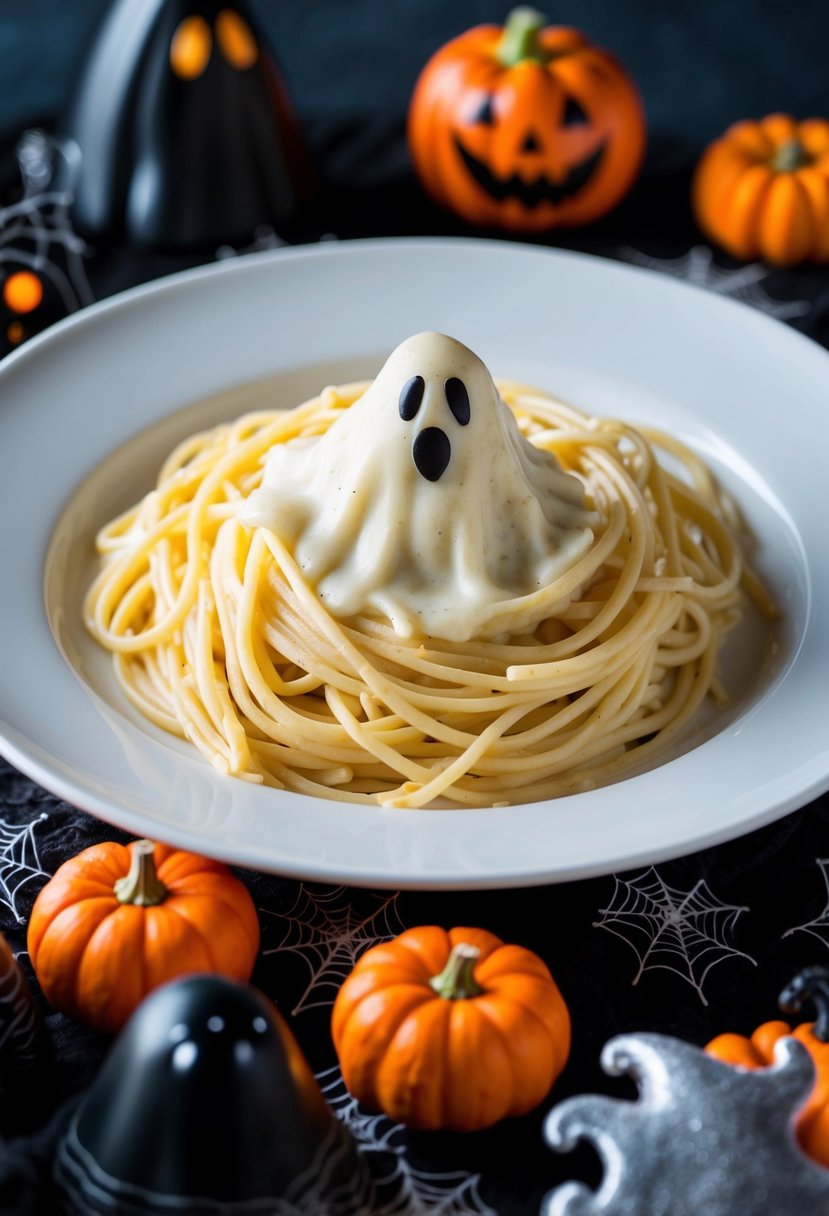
pixel 690 947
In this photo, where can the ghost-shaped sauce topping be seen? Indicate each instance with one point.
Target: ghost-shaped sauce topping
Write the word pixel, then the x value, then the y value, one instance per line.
pixel 425 504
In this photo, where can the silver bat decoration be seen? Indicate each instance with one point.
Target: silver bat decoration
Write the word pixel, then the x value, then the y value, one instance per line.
pixel 704 1138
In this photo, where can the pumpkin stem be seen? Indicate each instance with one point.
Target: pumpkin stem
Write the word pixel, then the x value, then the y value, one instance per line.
pixel 520 40
pixel 142 886
pixel 790 156
pixel 811 984
pixel 456 981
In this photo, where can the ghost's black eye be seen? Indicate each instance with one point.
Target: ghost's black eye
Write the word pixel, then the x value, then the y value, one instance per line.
pixel 574 115
pixel 484 114
pixel 411 396
pixel 458 399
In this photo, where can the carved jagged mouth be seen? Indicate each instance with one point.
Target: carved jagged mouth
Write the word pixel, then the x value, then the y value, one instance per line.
pixel 541 189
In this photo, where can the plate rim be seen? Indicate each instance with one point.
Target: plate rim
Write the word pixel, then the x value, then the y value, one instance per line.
pixel 53 780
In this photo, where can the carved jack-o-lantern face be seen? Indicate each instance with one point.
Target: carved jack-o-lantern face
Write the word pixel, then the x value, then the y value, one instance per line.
pixel 549 159
pixel 526 128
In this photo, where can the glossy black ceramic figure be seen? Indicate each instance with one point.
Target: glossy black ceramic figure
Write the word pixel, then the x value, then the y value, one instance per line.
pixel 184 129
pixel 206 1105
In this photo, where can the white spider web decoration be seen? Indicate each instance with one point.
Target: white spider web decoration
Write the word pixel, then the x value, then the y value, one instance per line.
pixel 686 932
pixel 19 862
pixel 402 1189
pixel 329 930
pixel 819 927
pixel 697 266
pixel 37 227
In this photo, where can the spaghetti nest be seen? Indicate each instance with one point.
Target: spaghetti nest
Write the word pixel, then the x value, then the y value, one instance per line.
pixel 216 637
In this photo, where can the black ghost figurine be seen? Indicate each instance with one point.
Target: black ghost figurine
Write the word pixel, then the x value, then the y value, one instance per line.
pixel 206 1105
pixel 184 128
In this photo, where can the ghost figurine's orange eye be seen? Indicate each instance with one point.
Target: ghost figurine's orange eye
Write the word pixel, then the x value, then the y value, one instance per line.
pixel 190 48
pixel 22 292
pixel 236 40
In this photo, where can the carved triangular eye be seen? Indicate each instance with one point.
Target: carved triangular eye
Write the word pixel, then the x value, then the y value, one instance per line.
pixel 484 115
pixel 574 115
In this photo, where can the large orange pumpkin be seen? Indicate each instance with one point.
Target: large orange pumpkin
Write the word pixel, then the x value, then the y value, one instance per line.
pixel 526 128
pixel 758 1052
pixel 762 190
pixel 117 920
pixel 450 1029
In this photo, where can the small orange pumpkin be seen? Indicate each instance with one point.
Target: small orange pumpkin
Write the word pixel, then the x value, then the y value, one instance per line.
pixel 117 920
pixel 450 1029
pixel 762 190
pixel 526 128
pixel 757 1051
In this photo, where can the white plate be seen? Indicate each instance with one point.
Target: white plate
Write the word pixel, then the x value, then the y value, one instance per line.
pixel 749 393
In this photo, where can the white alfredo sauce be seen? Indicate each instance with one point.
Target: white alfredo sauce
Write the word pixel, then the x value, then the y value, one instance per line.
pixel 446 522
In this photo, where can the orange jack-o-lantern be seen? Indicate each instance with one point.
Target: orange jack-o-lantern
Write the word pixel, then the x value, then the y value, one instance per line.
pixel 526 128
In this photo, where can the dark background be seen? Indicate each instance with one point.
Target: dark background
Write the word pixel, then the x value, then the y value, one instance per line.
pixel 699 65
pixel 350 68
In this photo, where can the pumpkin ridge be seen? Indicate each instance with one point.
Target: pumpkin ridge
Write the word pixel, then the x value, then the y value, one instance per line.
pixel 434 1082
pixel 158 949
pixel 110 862
pixel 340 1020
pixel 99 945
pixel 517 1106
pixel 508 959
pixel 414 941
pixel 250 926
pixel 743 209
pixel 485 942
pixel 54 940
pixel 387 954
pixel 462 1027
pixel 172 905
pixel 815 187
pixel 58 901
pixel 531 1011
pixel 233 912
pixel 390 1026
pixel 784 224
pixel 483 1008
pixel 179 867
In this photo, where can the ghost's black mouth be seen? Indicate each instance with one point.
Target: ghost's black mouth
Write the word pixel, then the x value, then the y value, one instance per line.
pixel 431 451
pixel 541 189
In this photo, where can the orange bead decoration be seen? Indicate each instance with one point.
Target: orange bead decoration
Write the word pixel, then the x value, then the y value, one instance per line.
pixel 526 128
pixel 116 921
pixel 22 292
pixel 762 191
pixel 758 1052
pixel 450 1029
